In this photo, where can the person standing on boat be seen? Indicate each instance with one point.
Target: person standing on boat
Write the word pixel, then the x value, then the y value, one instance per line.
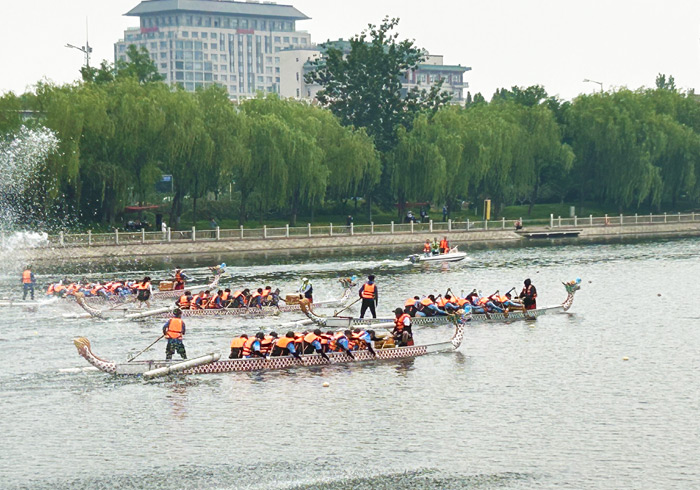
pixel 370 297
pixel 174 330
pixel 307 289
pixel 180 278
pixel 28 282
pixel 444 245
pixel 529 295
pixel 144 292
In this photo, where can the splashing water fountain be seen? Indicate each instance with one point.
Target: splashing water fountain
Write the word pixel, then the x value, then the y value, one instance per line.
pixel 23 155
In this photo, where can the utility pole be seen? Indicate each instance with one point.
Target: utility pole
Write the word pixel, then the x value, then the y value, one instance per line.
pixel 85 49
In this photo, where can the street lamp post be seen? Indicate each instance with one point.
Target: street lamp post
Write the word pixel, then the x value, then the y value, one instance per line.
pixel 84 49
pixel 586 80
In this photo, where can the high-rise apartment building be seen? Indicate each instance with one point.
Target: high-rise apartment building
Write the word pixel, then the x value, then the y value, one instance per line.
pixel 196 43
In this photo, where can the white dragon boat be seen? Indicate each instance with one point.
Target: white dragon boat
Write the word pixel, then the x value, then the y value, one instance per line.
pixel 454 255
pixel 8 303
pixel 211 363
pixel 347 322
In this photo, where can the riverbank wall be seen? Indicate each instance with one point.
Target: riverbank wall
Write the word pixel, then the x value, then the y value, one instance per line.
pixel 464 234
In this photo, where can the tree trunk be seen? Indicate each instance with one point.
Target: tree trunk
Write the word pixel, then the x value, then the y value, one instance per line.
pixel 295 207
pixel 194 210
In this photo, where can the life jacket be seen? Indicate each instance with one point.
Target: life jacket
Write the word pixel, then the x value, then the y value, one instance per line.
pixel 238 342
pixel 247 346
pixel 26 277
pixel 441 302
pixel 284 342
pixel 50 290
pixel 334 345
pixel 399 322
pixel 266 344
pixel 482 301
pixel 266 293
pixel 443 244
pixel 184 302
pixel 410 302
pixel 462 301
pixel 58 288
pixel 427 248
pixel 178 276
pixel 199 301
pixel 368 291
pixel 225 296
pixel 239 294
pixel 501 299
pixel 359 339
pixel 426 302
pixel 211 304
pixel 174 329
pixel 310 337
pixel 143 285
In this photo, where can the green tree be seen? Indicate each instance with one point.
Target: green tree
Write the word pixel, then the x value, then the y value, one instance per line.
pixel 139 66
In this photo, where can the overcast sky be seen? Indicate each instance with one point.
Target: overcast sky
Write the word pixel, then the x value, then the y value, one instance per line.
pixel 555 43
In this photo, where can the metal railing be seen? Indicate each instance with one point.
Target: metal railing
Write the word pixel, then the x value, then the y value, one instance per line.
pixel 286 232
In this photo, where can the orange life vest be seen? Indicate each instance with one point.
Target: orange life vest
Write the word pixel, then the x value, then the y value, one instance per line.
pixel 26 277
pixel 211 304
pixel 266 344
pixel 174 329
pixel 225 296
pixel 284 342
pixel 184 302
pixel 399 322
pixel 441 302
pixel 410 302
pixel 238 342
pixel 248 346
pixel 310 337
pixel 426 301
pixel 368 291
pixel 426 248
pixel 482 301
pixel 335 339
pixel 443 244
pixel 143 285
pixel 178 276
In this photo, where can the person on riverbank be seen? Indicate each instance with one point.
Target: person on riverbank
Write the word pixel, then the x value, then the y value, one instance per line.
pixel 529 295
pixel 28 282
pixel 144 290
pixel 174 330
pixel 370 297
pixel 307 289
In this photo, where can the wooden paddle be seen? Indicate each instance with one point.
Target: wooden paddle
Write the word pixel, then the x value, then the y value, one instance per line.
pixel 336 313
pixel 154 343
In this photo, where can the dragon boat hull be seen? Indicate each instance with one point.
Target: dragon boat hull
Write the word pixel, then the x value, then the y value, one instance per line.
pixel 265 364
pixel 347 322
pixel 265 310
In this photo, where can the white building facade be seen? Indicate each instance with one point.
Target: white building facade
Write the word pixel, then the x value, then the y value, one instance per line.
pixel 197 43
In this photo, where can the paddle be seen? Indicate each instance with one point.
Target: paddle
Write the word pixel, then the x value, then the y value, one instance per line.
pixel 154 343
pixel 336 313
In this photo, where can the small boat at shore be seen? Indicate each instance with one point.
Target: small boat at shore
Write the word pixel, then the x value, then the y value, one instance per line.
pixel 454 255
pixel 347 322
pixel 211 363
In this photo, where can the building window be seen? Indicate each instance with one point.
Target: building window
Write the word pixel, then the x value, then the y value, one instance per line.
pixel 263 25
pixel 268 79
pixel 278 39
pixel 297 92
pixel 179 75
pixel 163 55
pixel 223 78
pixel 185 34
pixel 179 65
pixel 195 34
pixel 164 66
pixel 215 57
pixel 303 41
pixel 295 40
pixel 197 20
pixel 163 45
pixel 285 39
pixel 244 23
pixel 223 67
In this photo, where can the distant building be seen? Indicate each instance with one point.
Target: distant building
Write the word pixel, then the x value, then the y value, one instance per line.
pixel 197 43
pixel 298 62
pixel 431 71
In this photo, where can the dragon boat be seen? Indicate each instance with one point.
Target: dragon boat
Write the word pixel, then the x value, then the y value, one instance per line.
pixel 265 310
pixel 156 295
pixel 347 322
pixel 211 363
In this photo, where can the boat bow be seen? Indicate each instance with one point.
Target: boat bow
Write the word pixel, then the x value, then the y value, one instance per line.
pixel 84 349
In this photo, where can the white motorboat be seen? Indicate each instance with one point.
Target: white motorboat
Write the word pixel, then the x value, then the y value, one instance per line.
pixel 454 255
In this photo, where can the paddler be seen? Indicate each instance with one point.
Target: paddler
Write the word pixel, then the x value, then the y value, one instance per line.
pixel 285 347
pixel 312 343
pixel 529 295
pixel 174 330
pixel 370 297
pixel 200 300
pixel 363 340
pixel 28 282
pixel 307 289
pixel 402 328
pixel 184 301
pixel 237 346
pixel 341 343
pixel 144 291
pixel 251 348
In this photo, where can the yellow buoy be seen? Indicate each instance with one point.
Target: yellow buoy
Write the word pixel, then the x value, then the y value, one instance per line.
pixel 326 384
pixel 625 358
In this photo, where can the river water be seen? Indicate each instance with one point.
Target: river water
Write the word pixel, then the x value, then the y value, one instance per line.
pixel 548 404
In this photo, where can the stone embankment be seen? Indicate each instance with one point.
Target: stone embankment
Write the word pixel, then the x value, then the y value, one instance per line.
pixel 225 246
